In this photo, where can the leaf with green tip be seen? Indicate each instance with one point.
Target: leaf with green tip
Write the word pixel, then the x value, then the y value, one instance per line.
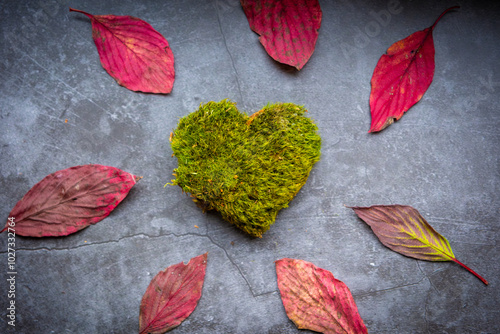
pixel 402 229
pixel 314 299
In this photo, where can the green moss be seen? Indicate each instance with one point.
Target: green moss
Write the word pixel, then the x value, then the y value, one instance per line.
pixel 246 168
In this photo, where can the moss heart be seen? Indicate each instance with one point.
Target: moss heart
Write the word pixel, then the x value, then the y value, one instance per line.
pixel 246 168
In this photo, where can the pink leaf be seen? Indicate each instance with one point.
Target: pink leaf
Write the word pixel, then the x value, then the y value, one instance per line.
pixel 315 300
pixel 70 199
pixel 402 76
pixel 172 296
pixel 288 29
pixel 137 56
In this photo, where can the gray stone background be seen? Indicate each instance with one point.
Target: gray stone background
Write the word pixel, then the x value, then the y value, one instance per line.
pixel 442 158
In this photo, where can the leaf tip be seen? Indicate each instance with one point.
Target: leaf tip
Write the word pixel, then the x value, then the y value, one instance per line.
pixel 80 11
pixel 202 257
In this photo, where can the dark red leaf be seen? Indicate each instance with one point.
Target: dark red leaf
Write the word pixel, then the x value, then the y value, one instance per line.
pixel 172 296
pixel 70 199
pixel 315 300
pixel 137 56
pixel 402 76
pixel 288 29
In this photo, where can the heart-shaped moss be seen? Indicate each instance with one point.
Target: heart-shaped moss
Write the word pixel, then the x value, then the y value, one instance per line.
pixel 247 168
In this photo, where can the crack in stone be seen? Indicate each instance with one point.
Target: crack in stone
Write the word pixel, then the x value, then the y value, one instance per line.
pixel 104 242
pixel 390 289
pixel 152 237
pixel 425 315
pixel 229 53
pixel 426 298
pixel 234 264
pixel 368 180
pixel 262 294
pixel 426 276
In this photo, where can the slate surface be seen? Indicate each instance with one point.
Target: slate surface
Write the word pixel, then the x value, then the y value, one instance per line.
pixel 442 158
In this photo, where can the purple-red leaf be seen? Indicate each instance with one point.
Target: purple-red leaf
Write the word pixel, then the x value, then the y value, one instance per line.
pixel 137 56
pixel 288 29
pixel 69 200
pixel 402 76
pixel 402 229
pixel 172 296
pixel 316 300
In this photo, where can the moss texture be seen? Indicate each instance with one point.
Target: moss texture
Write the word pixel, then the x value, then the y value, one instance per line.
pixel 246 168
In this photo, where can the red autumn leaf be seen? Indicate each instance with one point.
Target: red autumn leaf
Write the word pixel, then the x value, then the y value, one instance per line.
pixel 316 300
pixel 402 229
pixel 288 29
pixel 69 200
pixel 137 56
pixel 402 76
pixel 172 296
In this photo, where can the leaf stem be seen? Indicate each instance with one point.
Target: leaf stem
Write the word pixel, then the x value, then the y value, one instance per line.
pixel 79 11
pixel 442 14
pixel 470 270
